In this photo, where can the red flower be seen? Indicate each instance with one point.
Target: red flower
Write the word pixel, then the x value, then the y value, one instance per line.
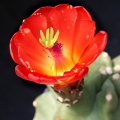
pixel 55 45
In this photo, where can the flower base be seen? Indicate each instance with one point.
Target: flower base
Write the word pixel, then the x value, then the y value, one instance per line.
pixel 99 102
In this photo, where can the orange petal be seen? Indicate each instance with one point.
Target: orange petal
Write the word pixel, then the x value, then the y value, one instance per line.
pixel 67 76
pixel 76 73
pixel 84 32
pixel 62 64
pixel 63 18
pixel 35 23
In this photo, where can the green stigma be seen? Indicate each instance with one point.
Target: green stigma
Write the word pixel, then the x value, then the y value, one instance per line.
pixel 50 39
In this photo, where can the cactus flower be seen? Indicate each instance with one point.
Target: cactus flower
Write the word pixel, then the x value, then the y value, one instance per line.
pixel 55 45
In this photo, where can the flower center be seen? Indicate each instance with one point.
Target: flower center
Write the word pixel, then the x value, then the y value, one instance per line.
pixel 56 50
pixel 49 40
pixel 61 62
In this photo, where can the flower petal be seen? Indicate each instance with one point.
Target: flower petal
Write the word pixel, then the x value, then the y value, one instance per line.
pixel 63 18
pixel 35 23
pixel 45 11
pixel 83 13
pixel 30 45
pixel 83 35
pixel 22 72
pixel 80 74
pixel 14 50
pixel 42 79
pixel 95 48
pixel 89 55
pixel 34 77
pixel 75 75
pixel 32 64
pixel 100 40
pixel 67 59
pixel 32 53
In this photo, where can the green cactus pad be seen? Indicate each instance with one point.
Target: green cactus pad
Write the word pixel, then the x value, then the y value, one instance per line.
pixel 101 99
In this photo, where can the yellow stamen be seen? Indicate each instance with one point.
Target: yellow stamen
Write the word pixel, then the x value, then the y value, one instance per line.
pixel 50 39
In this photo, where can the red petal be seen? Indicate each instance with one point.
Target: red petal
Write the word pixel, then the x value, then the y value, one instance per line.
pixel 42 79
pixel 77 73
pixel 34 77
pixel 63 18
pixel 45 11
pixel 35 23
pixel 67 76
pixel 31 53
pixel 14 50
pixel 95 48
pixel 100 40
pixel 84 32
pixel 89 55
pixel 29 44
pixel 80 74
pixel 83 13
pixel 22 72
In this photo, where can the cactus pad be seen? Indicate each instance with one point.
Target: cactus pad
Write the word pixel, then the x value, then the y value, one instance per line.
pixel 101 99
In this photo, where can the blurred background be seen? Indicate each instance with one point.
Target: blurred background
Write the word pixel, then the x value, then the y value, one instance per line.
pixel 17 95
